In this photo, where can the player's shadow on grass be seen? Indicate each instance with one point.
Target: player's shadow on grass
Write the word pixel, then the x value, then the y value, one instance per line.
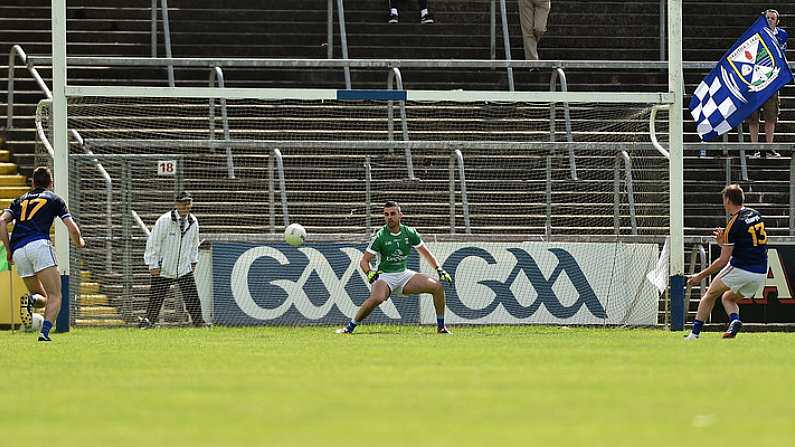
pixel 376 332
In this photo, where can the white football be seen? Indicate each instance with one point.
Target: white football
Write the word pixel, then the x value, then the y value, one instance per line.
pixel 36 321
pixel 294 235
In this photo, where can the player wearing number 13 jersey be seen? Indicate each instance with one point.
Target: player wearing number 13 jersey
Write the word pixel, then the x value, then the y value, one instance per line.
pixel 744 248
pixel 393 244
pixel 29 247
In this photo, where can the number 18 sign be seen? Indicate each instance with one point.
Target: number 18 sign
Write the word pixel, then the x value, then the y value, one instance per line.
pixel 167 167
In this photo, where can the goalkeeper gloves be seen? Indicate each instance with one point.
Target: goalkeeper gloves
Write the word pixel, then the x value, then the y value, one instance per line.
pixel 444 276
pixel 373 275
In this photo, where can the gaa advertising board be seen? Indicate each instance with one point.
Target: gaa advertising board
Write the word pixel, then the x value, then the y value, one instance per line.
pixel 494 283
pixel 773 302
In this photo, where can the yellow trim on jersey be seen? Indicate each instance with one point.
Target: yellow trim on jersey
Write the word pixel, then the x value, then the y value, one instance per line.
pixel 729 227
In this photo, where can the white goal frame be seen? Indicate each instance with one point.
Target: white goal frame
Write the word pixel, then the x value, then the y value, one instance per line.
pixel 61 91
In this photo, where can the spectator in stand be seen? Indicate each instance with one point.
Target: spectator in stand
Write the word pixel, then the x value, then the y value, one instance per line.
pixel 533 15
pixel 771 107
pixel 425 15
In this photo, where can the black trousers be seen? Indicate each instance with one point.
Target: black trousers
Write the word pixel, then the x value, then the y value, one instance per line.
pixel 422 3
pixel 187 286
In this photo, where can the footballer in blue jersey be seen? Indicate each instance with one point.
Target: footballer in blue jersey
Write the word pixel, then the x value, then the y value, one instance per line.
pixel 742 263
pixel 29 246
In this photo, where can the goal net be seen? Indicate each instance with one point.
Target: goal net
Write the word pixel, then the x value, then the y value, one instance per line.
pixel 543 210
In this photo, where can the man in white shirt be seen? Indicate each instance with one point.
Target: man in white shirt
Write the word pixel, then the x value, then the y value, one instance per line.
pixel 172 252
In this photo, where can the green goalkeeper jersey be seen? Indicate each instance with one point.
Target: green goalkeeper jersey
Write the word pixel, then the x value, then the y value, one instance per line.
pixel 394 248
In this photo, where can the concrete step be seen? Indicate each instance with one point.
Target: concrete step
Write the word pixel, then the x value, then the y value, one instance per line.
pixel 8 169
pixel 99 311
pixel 109 322
pixel 12 192
pixel 94 300
pixel 90 288
pixel 13 180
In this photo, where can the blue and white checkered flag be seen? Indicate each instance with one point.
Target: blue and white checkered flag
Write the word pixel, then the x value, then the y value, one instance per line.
pixel 746 76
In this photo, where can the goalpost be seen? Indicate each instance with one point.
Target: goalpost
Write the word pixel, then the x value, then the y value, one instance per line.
pixel 526 223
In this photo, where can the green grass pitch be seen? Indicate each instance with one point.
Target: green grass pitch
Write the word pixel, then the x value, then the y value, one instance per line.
pixel 396 386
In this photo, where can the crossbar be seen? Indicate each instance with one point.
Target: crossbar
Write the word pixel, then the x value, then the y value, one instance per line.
pixel 372 144
pixel 411 95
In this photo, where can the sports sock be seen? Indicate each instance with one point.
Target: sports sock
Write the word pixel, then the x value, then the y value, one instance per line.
pixel 352 325
pixel 733 317
pixel 439 322
pixel 45 328
pixel 697 325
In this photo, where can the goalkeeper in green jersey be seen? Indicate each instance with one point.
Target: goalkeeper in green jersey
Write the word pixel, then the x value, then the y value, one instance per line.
pixel 393 243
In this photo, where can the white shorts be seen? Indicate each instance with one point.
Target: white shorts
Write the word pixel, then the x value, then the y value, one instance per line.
pixel 396 281
pixel 34 257
pixel 741 281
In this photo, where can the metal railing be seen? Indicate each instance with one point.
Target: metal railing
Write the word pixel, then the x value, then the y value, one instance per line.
pixel 277 168
pixel 506 40
pixel 40 132
pixel 12 58
pixel 108 198
pixel 548 198
pixel 556 66
pixel 653 130
pixel 217 76
pixel 368 194
pixel 166 36
pixel 343 36
pixel 558 73
pixel 623 156
pixel 697 253
pixel 395 77
pixel 457 159
pixel 140 223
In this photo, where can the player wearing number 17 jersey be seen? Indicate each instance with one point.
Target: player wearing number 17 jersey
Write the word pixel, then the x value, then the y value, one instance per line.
pixel 744 248
pixel 393 243
pixel 29 248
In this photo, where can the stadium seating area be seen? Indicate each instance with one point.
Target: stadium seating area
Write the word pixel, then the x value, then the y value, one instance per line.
pixel 613 30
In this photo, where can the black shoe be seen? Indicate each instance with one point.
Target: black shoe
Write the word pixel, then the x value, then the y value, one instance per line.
pixel 43 337
pixel 392 18
pixel 734 328
pixel 774 154
pixel 144 323
pixel 427 18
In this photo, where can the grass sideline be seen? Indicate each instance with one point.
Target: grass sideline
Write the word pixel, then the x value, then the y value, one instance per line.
pixel 396 386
